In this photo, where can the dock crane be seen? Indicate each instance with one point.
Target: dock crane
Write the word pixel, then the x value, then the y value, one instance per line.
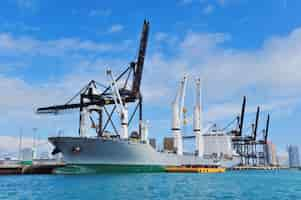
pixel 248 147
pixel 241 123
pixel 251 142
pixel 264 141
pixel 254 135
pixel 237 132
pixel 105 102
pixel 266 131
pixel 237 138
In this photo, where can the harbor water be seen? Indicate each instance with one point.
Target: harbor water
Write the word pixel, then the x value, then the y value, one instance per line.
pixel 278 184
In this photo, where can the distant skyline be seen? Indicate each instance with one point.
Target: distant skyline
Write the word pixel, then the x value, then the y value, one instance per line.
pixel 50 49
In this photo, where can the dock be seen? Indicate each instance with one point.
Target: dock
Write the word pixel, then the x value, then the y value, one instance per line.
pixel 195 169
pixel 10 169
pixel 32 168
pixel 240 168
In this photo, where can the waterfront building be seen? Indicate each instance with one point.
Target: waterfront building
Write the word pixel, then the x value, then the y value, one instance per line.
pixel 282 159
pixel 271 153
pixel 294 157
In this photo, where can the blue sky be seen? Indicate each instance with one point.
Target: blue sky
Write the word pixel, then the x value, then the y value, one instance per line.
pixel 49 49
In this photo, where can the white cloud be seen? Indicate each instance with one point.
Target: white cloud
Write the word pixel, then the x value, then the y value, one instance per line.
pixel 284 2
pixel 21 98
pixel 103 12
pixel 273 68
pixel 208 9
pixel 185 2
pixel 4 67
pixel 221 2
pixel 225 70
pixel 20 26
pixel 270 75
pixel 160 36
pixel 27 4
pixel 32 46
pixel 278 108
pixel 196 44
pixel 115 28
pixel 165 40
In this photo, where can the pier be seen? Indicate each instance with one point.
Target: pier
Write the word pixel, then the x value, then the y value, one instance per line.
pixel 195 169
pixel 34 168
pixel 240 168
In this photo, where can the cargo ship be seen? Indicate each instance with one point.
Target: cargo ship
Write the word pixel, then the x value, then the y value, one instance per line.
pixel 117 150
pixel 114 155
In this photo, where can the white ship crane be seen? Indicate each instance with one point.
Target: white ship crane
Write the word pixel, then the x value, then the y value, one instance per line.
pixel 177 115
pixel 121 106
pixel 197 120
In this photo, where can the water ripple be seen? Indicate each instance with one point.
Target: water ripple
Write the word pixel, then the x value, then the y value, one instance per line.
pixel 231 185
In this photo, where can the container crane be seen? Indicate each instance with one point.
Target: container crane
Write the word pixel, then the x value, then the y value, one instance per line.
pixel 256 124
pixel 237 132
pixel 264 142
pixel 266 131
pixel 241 123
